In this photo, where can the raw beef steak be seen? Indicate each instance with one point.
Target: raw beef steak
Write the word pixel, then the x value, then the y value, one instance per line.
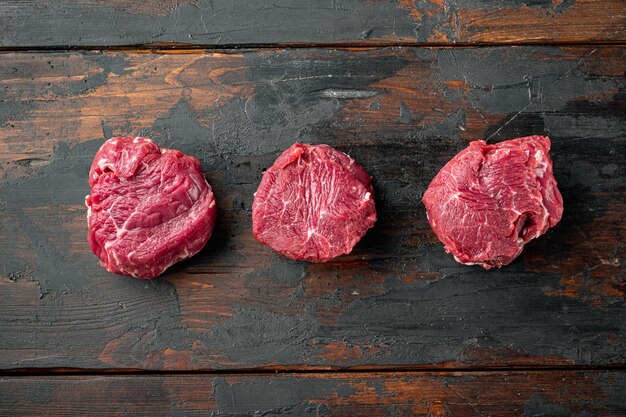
pixel 148 208
pixel 490 200
pixel 313 204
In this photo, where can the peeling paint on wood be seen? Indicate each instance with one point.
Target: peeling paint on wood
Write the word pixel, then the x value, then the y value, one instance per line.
pixel 228 22
pixel 558 393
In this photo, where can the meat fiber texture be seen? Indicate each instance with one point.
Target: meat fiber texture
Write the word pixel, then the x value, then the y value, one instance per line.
pixel 490 200
pixel 149 207
pixel 314 204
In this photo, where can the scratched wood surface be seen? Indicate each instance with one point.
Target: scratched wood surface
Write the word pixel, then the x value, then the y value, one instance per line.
pixel 398 300
pixel 377 394
pixel 43 23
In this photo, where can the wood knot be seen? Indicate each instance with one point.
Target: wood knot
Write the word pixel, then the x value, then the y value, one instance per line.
pixel 437 410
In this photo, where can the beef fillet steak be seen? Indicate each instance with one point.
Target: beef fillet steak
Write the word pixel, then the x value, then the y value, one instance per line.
pixel 490 200
pixel 313 204
pixel 148 208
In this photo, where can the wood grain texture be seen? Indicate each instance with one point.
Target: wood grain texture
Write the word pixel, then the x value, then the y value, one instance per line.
pixel 441 394
pixel 41 23
pixel 398 299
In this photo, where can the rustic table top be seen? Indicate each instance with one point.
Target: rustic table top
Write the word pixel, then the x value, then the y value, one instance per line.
pixel 395 328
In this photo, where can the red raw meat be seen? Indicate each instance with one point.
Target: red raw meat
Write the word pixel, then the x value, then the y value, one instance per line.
pixel 490 200
pixel 313 204
pixel 149 207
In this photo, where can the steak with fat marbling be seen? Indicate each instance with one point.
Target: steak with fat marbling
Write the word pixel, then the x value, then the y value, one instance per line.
pixel 490 200
pixel 149 207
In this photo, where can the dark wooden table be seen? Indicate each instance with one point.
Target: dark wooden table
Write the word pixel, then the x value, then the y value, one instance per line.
pixel 397 327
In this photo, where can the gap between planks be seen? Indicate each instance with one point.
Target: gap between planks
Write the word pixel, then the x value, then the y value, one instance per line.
pixel 32 372
pixel 200 48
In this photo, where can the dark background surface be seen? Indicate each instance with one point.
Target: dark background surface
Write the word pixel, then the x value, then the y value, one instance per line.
pixel 395 327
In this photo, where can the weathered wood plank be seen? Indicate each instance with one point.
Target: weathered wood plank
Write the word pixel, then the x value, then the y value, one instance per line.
pixel 398 299
pixel 440 394
pixel 37 23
